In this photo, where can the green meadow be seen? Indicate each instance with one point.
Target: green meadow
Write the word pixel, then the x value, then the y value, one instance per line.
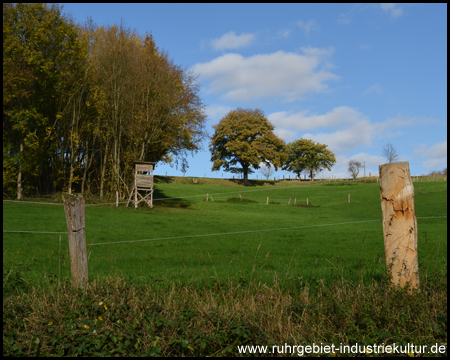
pixel 235 235
pixel 192 277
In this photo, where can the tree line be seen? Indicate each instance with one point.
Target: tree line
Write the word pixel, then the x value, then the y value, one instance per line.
pixel 81 103
pixel 244 140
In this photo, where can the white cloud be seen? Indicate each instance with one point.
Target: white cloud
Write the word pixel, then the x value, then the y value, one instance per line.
pixel 285 134
pixel 392 9
pixel 232 41
pixel 308 26
pixel 284 33
pixel 375 88
pixel 352 128
pixel 372 161
pixel 343 128
pixel 436 155
pixel 364 47
pixel 216 112
pixel 284 75
pixel 300 121
pixel 347 139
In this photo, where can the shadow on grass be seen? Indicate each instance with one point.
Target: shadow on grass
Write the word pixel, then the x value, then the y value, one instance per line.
pixel 163 179
pixel 160 199
pixel 253 183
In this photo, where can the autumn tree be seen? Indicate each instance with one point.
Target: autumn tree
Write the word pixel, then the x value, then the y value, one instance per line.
pixel 168 119
pixel 81 103
pixel 114 60
pixel 353 168
pixel 149 109
pixel 244 139
pixel 41 54
pixel 307 155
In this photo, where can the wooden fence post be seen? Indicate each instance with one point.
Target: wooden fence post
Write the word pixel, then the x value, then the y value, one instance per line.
pixel 267 202
pixel 399 223
pixel 74 209
pixel 348 197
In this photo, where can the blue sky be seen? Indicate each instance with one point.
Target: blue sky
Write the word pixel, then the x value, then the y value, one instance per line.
pixel 352 76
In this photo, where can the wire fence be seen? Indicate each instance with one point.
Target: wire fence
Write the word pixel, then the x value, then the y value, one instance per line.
pixel 219 234
pixel 219 197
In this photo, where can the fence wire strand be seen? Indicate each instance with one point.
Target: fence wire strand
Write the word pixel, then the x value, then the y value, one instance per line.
pixel 218 234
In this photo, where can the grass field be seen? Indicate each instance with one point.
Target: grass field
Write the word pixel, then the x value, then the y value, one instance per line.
pixel 192 277
pixel 235 234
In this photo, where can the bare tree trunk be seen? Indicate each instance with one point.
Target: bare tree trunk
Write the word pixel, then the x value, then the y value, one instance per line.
pixel 245 172
pixel 86 165
pixel 71 165
pixel 19 176
pixel 72 152
pixel 103 169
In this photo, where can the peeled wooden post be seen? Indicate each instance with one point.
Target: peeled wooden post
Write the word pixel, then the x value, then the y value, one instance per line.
pixel 267 202
pixel 348 197
pixel 74 209
pixel 399 223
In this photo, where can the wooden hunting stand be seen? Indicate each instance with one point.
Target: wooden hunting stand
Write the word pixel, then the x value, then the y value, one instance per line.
pixel 143 181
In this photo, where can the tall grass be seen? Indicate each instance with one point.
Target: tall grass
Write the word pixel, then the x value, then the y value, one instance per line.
pixel 116 316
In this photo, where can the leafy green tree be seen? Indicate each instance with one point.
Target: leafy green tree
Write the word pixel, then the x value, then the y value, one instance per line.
pixel 307 155
pixel 244 139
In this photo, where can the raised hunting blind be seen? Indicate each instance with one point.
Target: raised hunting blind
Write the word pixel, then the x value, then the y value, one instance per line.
pixel 142 181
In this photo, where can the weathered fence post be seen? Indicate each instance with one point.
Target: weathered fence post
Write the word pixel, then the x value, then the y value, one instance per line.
pixel 267 202
pixel 399 223
pixel 348 197
pixel 207 195
pixel 74 209
pixel 117 199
